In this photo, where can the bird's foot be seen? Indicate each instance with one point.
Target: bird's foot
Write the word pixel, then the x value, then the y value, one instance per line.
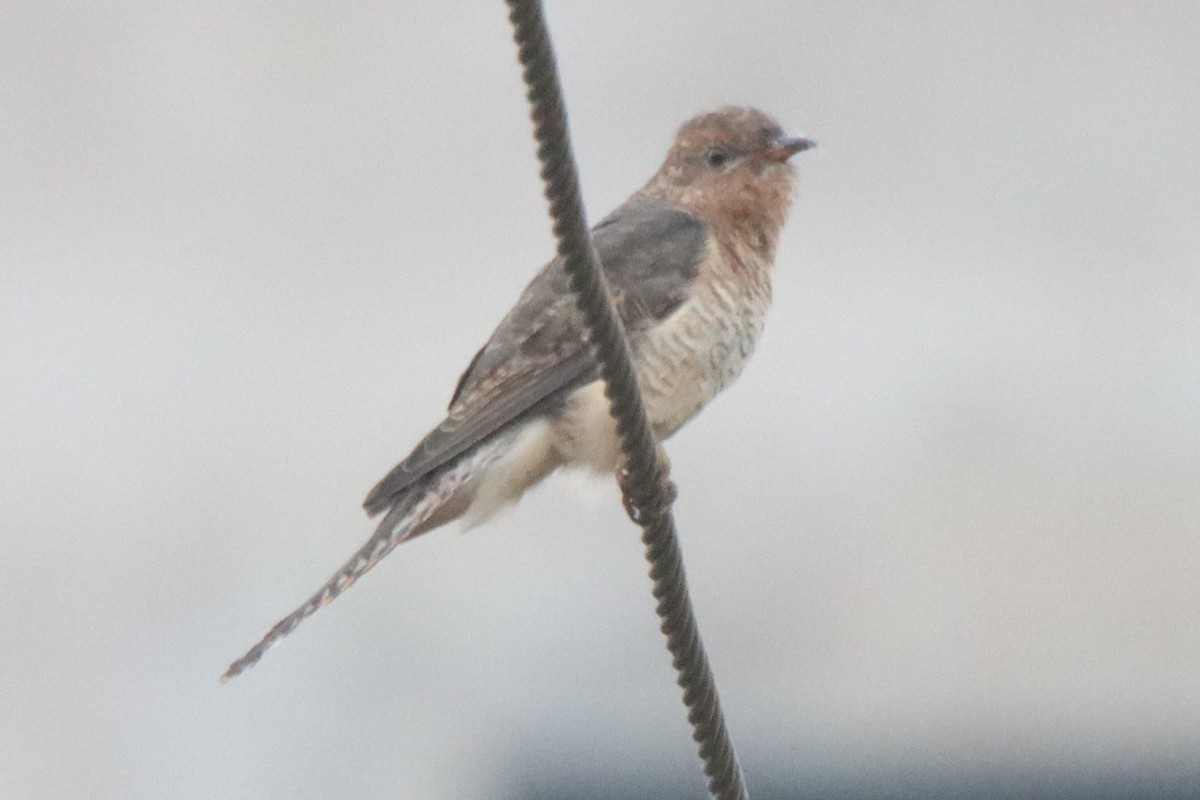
pixel 642 503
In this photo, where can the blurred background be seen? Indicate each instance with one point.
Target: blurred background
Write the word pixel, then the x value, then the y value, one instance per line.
pixel 943 536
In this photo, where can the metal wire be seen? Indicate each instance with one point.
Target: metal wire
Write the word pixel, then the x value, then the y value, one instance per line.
pixel 645 483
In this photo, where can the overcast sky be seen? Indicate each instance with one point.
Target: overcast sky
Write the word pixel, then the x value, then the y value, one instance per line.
pixel 945 531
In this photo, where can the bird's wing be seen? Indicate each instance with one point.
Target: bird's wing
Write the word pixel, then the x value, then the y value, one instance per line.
pixel 650 253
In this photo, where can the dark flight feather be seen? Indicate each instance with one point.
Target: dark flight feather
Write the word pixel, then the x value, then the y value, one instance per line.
pixel 539 352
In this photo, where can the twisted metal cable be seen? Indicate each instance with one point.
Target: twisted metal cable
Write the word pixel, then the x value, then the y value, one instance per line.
pixel 645 483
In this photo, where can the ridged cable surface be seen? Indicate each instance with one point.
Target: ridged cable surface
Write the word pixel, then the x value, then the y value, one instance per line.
pixel 645 483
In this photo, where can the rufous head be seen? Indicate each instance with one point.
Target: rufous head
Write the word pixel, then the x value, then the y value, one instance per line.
pixel 730 167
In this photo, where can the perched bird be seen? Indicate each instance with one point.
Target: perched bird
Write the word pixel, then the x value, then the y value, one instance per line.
pixel 688 260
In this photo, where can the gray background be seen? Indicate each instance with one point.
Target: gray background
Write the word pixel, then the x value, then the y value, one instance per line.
pixel 943 532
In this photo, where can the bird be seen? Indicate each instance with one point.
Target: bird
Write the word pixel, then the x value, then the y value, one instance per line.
pixel 688 261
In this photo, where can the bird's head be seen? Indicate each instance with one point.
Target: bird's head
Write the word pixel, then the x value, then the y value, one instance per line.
pixel 730 167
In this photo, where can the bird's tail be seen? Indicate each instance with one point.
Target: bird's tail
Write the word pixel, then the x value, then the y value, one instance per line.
pixel 405 520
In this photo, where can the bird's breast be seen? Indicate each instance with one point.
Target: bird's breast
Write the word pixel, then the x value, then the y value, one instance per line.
pixel 686 359
pixel 682 361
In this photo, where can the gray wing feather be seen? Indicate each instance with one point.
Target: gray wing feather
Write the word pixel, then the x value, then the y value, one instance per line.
pixel 650 253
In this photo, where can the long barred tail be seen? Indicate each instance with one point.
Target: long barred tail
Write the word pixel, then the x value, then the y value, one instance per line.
pixel 402 522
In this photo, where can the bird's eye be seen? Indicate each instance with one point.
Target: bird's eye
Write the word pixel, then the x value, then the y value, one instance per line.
pixel 716 157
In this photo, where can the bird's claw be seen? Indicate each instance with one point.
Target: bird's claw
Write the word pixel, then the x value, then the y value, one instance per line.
pixel 645 506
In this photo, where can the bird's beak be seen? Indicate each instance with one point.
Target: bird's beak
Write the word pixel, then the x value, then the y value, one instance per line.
pixel 785 147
